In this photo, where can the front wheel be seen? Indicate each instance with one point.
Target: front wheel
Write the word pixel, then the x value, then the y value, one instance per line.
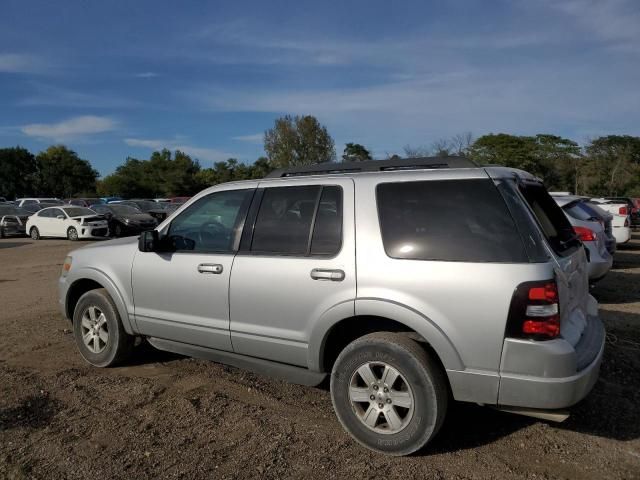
pixel 34 233
pixel 72 234
pixel 388 393
pixel 117 230
pixel 98 330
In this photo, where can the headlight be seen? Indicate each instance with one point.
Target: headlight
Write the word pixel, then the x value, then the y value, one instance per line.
pixel 66 266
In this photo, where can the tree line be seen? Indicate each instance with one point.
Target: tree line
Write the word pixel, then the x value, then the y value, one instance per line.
pixel 606 165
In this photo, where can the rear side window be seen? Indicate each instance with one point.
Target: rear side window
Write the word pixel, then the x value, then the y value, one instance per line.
pixel 552 221
pixel 449 220
pixel 301 221
pixel 580 211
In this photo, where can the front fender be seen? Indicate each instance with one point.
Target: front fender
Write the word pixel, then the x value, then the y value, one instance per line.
pixel 98 276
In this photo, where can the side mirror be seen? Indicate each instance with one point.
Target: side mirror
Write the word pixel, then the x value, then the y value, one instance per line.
pixel 149 241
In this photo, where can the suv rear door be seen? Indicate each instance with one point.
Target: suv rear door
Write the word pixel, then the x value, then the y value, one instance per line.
pixel 296 261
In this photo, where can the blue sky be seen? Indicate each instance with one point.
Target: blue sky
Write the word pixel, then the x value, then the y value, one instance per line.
pixel 122 78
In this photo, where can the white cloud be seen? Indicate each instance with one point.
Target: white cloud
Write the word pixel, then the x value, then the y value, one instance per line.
pixel 52 96
pixel 20 63
pixel 201 153
pixel 254 138
pixel 70 129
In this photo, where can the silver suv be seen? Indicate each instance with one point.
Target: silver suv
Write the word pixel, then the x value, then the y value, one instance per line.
pixel 410 283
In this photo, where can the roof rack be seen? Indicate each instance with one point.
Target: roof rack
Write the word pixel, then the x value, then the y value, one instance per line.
pixel 421 163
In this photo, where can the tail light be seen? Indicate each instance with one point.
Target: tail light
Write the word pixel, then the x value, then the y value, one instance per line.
pixel 623 211
pixel 585 234
pixel 535 311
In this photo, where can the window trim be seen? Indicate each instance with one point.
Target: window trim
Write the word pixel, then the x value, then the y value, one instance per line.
pixel 250 225
pixel 238 228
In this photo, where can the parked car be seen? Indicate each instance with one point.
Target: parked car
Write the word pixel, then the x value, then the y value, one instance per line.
pixel 167 209
pixel 67 221
pixel 13 220
pixel 606 219
pixel 179 199
pixel 406 297
pixel 621 221
pixel 591 231
pixel 34 207
pixel 634 213
pixel 156 210
pixel 21 202
pixel 110 199
pixel 125 220
pixel 84 202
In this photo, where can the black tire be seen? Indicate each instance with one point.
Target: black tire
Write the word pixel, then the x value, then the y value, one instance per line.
pixel 119 344
pixel 34 233
pixel 417 369
pixel 72 234
pixel 1 232
pixel 117 230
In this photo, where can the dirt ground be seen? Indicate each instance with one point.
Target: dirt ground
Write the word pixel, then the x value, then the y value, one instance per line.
pixel 165 416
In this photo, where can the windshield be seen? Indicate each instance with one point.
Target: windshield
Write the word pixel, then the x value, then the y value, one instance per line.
pixel 78 211
pixel 146 205
pixel 124 209
pixel 11 210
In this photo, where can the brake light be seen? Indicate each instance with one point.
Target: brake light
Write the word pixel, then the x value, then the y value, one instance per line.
pixel 585 234
pixel 535 311
pixel 622 210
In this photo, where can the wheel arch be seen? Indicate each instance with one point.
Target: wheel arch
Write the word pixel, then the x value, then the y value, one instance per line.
pixel 91 279
pixel 339 326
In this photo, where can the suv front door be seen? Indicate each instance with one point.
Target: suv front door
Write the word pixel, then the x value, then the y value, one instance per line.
pixel 183 294
pixel 296 262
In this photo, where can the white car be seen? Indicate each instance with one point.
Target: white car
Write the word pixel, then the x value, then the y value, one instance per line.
pixel 621 222
pixel 67 221
pixel 21 202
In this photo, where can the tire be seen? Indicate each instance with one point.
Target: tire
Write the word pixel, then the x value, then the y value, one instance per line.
pixel 1 232
pixel 418 394
pixel 34 233
pixel 117 230
pixel 94 316
pixel 72 234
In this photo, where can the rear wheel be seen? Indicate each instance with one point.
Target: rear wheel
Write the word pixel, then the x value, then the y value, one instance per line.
pixel 34 233
pixel 98 330
pixel 117 230
pixel 388 393
pixel 72 234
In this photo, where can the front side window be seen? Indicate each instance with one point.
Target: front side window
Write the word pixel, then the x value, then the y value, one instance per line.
pixel 448 220
pixel 212 223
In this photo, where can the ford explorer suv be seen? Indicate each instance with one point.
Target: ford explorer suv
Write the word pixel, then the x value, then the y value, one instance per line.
pixel 374 274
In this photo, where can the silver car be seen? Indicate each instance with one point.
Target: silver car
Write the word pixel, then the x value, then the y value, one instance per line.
pixel 378 275
pixel 591 230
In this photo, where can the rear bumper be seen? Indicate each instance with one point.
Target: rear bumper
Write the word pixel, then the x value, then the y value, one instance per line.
pixel 622 234
pixel 599 266
pixel 551 374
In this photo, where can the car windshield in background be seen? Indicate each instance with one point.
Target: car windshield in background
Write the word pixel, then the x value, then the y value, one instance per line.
pixel 147 205
pixel 124 209
pixel 11 210
pixel 78 211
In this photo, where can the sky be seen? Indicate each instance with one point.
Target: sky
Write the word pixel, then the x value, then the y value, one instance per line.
pixel 123 78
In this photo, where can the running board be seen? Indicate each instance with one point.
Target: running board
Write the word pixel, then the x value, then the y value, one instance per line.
pixel 282 371
pixel 557 416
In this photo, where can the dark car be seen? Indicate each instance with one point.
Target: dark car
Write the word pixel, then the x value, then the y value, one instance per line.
pixel 84 202
pixel 155 209
pixel 36 207
pixel 167 209
pixel 13 220
pixel 125 220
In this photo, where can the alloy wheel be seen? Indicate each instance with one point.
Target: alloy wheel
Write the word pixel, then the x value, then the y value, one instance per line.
pixel 95 333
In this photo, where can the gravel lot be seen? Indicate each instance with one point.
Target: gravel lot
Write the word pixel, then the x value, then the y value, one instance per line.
pixel 166 416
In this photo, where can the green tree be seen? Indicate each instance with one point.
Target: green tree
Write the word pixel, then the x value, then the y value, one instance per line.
pixel 354 152
pixel 299 140
pixel 613 165
pixel 62 173
pixel 17 169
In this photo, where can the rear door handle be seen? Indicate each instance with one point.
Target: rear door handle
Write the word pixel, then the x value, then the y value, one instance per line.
pixel 214 268
pixel 327 274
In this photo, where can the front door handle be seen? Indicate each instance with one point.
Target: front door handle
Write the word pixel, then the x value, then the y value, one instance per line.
pixel 215 268
pixel 327 274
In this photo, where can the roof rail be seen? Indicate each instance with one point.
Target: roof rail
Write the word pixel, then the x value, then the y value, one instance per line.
pixel 421 163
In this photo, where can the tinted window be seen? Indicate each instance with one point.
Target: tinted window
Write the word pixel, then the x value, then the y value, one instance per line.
pixel 46 213
pixel 552 221
pixel 451 220
pixel 327 231
pixel 580 211
pixel 283 224
pixel 212 223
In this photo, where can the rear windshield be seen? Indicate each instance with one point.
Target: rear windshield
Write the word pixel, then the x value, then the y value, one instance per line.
pixel 449 220
pixel 581 211
pixel 552 221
